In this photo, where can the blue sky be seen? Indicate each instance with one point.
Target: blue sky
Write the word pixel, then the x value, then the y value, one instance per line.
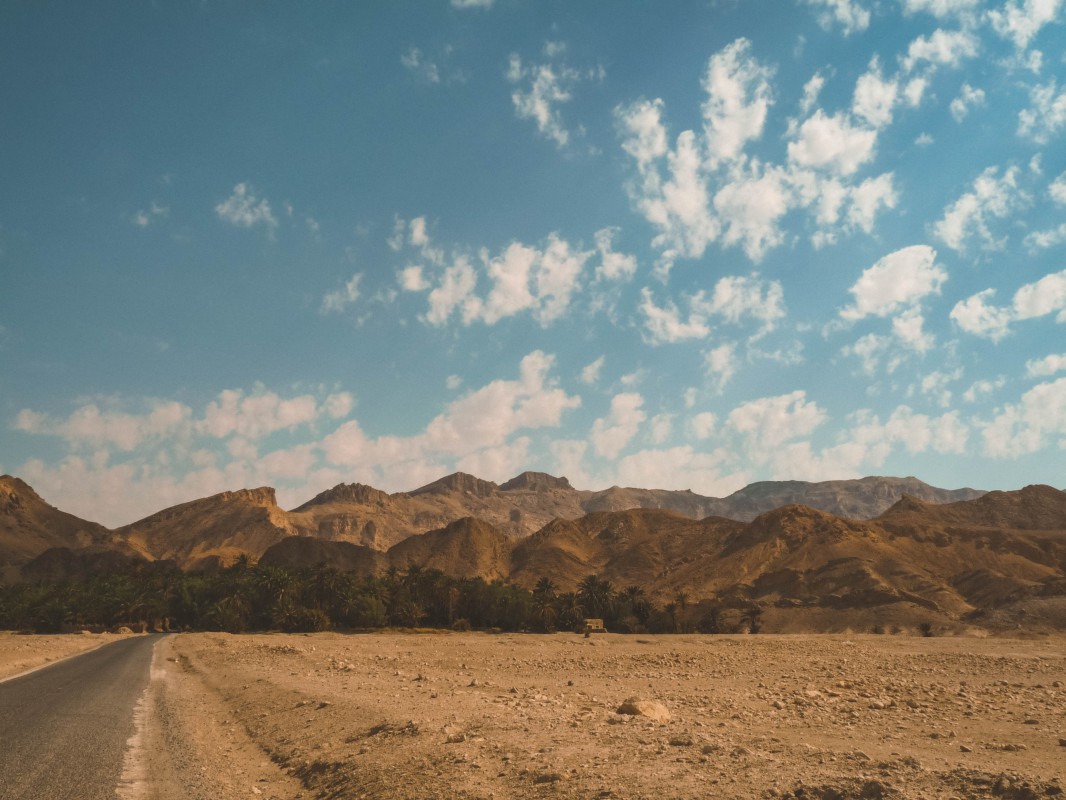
pixel 684 245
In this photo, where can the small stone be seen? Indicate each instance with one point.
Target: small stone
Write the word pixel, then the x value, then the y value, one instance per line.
pixel 683 740
pixel 965 748
pixel 651 709
pixel 547 777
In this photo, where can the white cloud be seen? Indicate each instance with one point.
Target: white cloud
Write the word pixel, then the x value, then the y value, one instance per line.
pixel 145 217
pixel 680 468
pixel 612 433
pixel 703 425
pixel 425 69
pixel 1057 190
pixel 869 349
pixel 1021 21
pixel 968 217
pixel 811 90
pixel 1048 365
pixel 983 387
pixel 1038 419
pixel 1042 240
pixel 769 422
pixel 664 324
pixel 850 15
pixel 874 96
pixel 738 99
pixel 908 328
pixel 705 188
pixel 941 48
pixel 737 297
pixel 1046 115
pixel 455 290
pixel 613 265
pixel 936 383
pixel 590 375
pixel 750 206
pixel 1038 299
pixel 453 382
pixel 338 300
pixel 900 279
pixel 832 143
pixel 720 364
pixel 662 426
pixel 245 210
pixel 541 281
pixel 975 315
pixel 968 98
pixel 412 279
pixel 462 4
pixel 940 8
pixel 546 87
pixel 92 426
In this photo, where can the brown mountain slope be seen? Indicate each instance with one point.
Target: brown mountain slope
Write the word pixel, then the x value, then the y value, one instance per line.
pixel 29 526
pixel 214 531
pixel 467 548
pixel 306 552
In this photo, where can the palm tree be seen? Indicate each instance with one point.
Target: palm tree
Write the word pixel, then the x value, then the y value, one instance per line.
pixel 595 595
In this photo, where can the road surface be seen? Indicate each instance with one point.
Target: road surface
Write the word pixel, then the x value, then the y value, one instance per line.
pixel 63 729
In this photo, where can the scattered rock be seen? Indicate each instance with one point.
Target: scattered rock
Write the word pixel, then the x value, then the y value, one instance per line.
pixel 652 709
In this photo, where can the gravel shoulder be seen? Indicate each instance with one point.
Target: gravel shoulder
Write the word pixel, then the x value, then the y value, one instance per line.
pixel 393 715
pixel 20 653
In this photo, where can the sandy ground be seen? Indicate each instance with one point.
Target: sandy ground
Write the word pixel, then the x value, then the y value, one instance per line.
pixel 508 716
pixel 19 653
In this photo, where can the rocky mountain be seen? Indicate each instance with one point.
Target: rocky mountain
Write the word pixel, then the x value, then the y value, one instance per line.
pixel 29 526
pixel 217 530
pixel 951 560
pixel 214 531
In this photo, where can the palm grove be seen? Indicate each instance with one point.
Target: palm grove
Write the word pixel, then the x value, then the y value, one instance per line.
pixel 247 597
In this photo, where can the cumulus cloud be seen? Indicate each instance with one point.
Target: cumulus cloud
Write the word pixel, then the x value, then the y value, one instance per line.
pixel 1036 420
pixel 664 324
pixel 463 4
pixel 977 315
pixel 1048 365
pixel 941 48
pixel 1046 114
pixel 705 188
pixel 968 218
pixel 1057 190
pixel 540 89
pixel 941 8
pixel 425 69
pixel 968 98
pixel 735 300
pixel 1021 20
pixel 769 422
pixel 338 300
pixel 613 265
pixel 720 364
pixel 832 143
pixel 738 99
pixel 612 433
pixel 541 281
pixel 875 96
pixel 850 15
pixel 898 280
pixel 590 375
pixel 245 209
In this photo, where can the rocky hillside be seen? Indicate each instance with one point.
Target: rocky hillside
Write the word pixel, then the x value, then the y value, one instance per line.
pixel 214 531
pixel 29 526
pixel 953 560
pixel 219 529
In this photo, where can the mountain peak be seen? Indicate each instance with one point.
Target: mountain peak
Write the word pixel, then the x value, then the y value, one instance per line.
pixel 458 482
pixel 535 482
pixel 356 493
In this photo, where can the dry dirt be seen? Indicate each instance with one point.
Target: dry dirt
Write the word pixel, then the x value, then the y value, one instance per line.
pixel 395 715
pixel 20 653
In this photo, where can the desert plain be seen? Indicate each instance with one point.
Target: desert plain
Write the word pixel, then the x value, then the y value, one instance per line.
pixel 482 715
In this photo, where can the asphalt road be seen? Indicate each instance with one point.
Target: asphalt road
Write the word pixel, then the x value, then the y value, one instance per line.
pixel 63 729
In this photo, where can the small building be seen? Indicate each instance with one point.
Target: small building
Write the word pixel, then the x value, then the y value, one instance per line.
pixel 593 625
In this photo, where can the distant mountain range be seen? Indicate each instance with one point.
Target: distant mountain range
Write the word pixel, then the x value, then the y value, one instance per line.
pixel 825 548
pixel 216 530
